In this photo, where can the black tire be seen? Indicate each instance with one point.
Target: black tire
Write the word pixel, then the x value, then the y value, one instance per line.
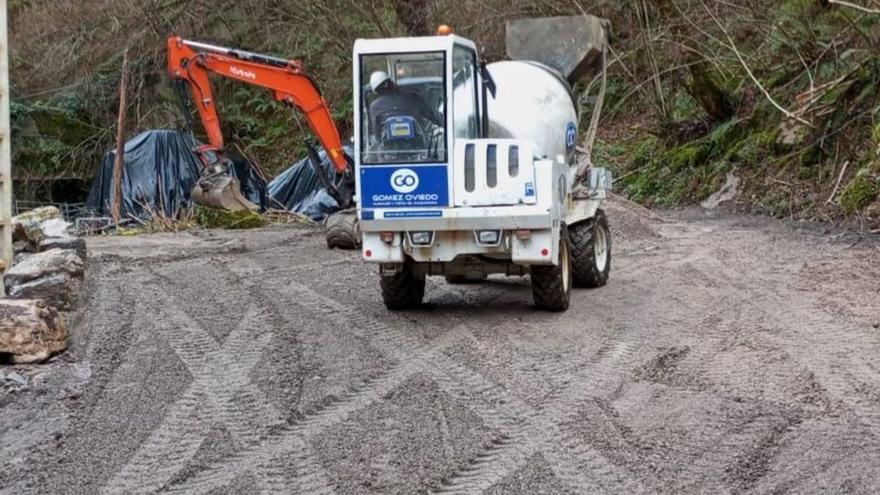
pixel 343 230
pixel 551 285
pixel 590 268
pixel 403 290
pixel 456 279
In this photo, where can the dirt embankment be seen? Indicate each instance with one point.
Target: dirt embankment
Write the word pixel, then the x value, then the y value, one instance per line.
pixel 726 355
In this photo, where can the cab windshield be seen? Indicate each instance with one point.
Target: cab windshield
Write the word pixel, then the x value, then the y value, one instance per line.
pixel 403 108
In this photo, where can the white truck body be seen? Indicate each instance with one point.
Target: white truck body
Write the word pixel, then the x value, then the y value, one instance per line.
pixel 437 213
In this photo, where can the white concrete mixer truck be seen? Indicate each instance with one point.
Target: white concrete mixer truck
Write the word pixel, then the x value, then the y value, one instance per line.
pixel 465 169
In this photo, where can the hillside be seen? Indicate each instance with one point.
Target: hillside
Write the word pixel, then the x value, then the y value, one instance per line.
pixel 779 99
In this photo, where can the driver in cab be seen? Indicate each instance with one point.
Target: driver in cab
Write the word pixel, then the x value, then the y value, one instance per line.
pixel 392 109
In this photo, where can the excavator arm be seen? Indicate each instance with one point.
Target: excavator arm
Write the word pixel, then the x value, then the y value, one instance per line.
pixel 192 63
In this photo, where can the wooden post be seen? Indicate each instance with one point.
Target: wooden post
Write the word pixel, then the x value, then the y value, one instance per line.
pixel 5 150
pixel 120 142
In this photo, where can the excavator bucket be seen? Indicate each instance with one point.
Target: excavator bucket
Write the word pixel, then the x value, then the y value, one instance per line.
pixel 217 189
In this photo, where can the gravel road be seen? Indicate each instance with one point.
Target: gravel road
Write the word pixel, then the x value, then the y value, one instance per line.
pixel 726 355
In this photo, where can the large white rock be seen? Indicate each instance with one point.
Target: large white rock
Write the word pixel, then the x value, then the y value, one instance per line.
pixel 30 331
pixel 27 226
pixel 55 227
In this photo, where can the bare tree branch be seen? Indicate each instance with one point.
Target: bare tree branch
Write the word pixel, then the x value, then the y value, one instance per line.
pixel 843 3
pixel 751 75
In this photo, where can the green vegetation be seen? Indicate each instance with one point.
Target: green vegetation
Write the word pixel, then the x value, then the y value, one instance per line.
pixel 860 192
pixel 696 90
pixel 212 218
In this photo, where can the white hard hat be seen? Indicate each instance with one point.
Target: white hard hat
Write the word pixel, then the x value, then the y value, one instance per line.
pixel 377 79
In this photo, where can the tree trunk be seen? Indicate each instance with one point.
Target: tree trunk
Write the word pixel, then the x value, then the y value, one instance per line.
pixel 714 100
pixel 118 164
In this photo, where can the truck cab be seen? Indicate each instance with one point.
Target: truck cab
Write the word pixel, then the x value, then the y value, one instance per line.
pixel 443 190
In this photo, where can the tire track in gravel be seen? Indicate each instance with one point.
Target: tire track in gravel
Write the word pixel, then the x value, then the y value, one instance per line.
pixel 803 328
pixel 109 310
pixel 528 431
pixel 449 375
pixel 707 366
pixel 815 340
pixel 293 438
pixel 219 374
pixel 459 381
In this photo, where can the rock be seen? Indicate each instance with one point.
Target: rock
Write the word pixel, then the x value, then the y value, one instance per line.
pixel 55 227
pixel 19 257
pixel 27 226
pixel 16 379
pixel 22 247
pixel 55 290
pixel 728 192
pixel 66 242
pixel 43 264
pixel 30 331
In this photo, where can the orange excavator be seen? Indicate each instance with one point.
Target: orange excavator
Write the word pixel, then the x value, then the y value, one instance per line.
pixel 190 65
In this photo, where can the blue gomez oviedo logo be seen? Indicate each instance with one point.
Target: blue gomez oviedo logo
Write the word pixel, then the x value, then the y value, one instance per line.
pixel 404 181
pixel 571 134
pixel 389 187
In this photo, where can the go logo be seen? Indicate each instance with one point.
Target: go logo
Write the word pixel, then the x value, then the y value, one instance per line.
pixel 404 181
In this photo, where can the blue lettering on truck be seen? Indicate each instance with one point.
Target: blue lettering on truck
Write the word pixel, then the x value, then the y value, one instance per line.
pixel 414 214
pixel 404 186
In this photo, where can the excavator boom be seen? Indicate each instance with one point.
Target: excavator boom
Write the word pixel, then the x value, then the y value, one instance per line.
pixel 192 63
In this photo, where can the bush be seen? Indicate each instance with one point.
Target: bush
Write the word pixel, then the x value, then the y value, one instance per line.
pixel 859 193
pixel 212 218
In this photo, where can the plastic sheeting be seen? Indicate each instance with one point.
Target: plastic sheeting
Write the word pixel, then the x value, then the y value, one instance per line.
pixel 160 169
pixel 299 190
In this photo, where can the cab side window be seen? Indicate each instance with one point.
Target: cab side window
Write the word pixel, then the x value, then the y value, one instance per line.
pixel 464 93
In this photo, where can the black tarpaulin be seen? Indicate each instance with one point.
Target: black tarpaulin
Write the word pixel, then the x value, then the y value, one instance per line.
pixel 160 169
pixel 299 190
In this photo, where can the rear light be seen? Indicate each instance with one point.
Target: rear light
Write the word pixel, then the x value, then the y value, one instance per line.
pixel 545 252
pixel 421 238
pixel 387 237
pixel 523 235
pixel 488 237
pixel 368 253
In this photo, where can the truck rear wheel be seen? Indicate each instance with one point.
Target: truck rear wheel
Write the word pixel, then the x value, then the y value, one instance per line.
pixel 551 285
pixel 591 251
pixel 403 290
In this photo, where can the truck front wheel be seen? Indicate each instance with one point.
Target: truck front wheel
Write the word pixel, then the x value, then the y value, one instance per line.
pixel 551 285
pixel 403 290
pixel 591 251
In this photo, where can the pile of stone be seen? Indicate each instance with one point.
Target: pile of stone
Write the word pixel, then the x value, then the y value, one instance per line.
pixel 45 275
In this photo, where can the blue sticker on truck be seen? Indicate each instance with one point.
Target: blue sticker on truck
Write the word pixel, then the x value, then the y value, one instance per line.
pixel 404 186
pixel 571 134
